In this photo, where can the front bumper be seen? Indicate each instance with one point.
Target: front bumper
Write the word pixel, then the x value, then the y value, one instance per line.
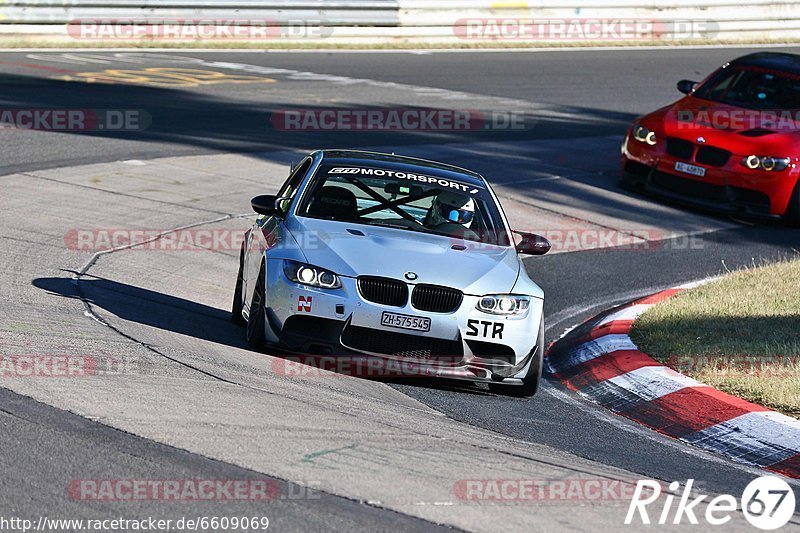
pixel 466 344
pixel 729 189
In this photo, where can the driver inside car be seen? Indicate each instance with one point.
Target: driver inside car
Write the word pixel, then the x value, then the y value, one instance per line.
pixel 452 213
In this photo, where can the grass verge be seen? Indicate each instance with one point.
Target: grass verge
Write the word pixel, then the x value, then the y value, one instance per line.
pixel 740 334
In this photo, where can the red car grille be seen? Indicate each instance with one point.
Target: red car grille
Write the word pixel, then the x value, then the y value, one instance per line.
pixel 705 155
pixel 711 156
pixel 680 148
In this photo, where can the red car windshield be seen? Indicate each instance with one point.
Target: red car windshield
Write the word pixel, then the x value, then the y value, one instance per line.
pixel 753 88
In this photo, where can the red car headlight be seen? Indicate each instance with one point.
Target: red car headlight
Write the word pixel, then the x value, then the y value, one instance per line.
pixel 643 135
pixel 766 162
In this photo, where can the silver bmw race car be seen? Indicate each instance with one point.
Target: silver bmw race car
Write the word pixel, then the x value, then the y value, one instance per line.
pixel 398 259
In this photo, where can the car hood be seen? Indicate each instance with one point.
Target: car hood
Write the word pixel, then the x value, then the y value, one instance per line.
pixel 736 129
pixel 388 252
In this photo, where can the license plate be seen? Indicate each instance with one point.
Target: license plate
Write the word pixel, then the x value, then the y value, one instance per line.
pixel 395 320
pixel 694 170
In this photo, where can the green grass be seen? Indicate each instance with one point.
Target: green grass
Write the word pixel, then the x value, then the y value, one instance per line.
pixel 740 334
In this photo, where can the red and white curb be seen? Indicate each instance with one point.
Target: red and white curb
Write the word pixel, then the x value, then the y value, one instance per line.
pixel 600 361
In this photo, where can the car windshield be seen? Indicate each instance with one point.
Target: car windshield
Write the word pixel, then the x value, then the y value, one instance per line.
pixel 753 88
pixel 404 200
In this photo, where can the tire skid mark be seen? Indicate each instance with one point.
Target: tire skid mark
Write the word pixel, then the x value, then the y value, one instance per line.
pixel 89 311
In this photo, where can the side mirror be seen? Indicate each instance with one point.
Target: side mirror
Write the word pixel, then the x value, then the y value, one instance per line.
pixel 266 204
pixel 532 244
pixel 686 86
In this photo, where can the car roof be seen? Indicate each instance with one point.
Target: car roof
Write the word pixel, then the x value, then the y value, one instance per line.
pixel 423 166
pixel 773 60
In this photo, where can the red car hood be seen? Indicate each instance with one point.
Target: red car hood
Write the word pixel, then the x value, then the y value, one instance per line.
pixel 739 130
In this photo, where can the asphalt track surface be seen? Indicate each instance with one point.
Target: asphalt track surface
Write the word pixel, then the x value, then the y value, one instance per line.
pixel 561 166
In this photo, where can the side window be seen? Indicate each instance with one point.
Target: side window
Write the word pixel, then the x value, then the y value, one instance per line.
pixel 289 188
pixel 725 84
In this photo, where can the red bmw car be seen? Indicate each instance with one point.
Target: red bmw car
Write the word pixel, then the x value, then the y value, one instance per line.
pixel 731 144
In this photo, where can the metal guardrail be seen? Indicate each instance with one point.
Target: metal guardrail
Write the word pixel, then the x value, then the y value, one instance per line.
pixel 500 7
pixel 435 20
pixel 331 12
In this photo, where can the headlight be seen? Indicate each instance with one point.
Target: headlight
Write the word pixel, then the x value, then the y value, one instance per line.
pixel 643 135
pixel 503 304
pixel 766 162
pixel 311 275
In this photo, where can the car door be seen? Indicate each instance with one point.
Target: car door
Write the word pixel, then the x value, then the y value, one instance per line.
pixel 261 235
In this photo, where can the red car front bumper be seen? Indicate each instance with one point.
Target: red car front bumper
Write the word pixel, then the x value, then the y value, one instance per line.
pixel 727 186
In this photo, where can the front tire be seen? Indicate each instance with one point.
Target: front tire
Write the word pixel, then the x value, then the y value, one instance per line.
pixel 256 336
pixel 530 383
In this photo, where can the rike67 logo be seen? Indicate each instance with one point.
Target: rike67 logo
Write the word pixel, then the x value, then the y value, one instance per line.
pixel 767 502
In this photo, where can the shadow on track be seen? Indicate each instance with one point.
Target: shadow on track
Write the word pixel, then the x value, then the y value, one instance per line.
pixel 218 122
pixel 178 315
pixel 150 308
